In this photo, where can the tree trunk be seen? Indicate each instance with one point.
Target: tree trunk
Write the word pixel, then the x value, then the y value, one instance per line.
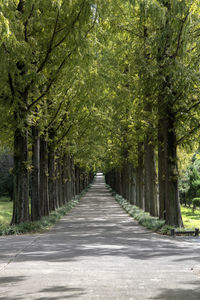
pixel 60 182
pixel 21 178
pixel 150 188
pixel 139 178
pixel 168 170
pixel 44 195
pixel 65 198
pixel 52 179
pixel 133 186
pixel 35 176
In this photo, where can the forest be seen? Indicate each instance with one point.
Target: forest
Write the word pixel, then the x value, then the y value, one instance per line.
pixel 111 86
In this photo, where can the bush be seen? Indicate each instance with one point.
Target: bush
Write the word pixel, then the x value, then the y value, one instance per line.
pixel 196 203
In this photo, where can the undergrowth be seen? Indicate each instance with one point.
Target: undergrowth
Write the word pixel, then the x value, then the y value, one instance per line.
pixel 44 223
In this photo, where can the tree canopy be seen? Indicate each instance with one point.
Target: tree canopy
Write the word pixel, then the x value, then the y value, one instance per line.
pixel 99 85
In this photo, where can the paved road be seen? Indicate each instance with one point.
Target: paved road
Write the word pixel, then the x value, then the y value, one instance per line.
pixel 98 252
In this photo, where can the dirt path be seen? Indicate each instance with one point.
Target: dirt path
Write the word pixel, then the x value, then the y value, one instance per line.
pixel 98 252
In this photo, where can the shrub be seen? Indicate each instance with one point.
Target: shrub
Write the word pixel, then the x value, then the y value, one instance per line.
pixel 196 203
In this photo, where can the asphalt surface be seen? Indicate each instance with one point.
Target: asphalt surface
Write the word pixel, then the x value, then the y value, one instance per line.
pixel 98 252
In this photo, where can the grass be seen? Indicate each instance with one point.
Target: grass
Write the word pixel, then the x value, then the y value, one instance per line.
pixel 190 220
pixel 6 207
pixel 32 227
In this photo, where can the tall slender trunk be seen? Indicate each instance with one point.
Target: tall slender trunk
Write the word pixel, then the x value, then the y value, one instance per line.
pixel 150 188
pixel 60 182
pixel 65 198
pixel 140 178
pixel 69 186
pixel 35 176
pixel 168 169
pixel 21 178
pixel 133 186
pixel 73 178
pixel 44 194
pixel 52 178
pixel 77 176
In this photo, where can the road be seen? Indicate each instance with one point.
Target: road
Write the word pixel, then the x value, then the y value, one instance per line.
pixel 98 252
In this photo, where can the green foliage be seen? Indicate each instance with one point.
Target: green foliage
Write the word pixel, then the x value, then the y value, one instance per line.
pixel 90 79
pixel 190 181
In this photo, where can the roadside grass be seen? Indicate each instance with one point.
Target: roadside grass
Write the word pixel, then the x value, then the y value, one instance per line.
pixel 143 218
pixel 6 207
pixel 37 226
pixel 190 220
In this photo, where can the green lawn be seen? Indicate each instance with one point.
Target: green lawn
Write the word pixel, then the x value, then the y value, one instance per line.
pixel 191 220
pixel 5 210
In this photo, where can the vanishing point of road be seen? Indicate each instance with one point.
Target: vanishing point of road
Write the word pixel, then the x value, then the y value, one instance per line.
pixel 98 252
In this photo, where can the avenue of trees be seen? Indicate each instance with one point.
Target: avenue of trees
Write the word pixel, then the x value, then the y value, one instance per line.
pixel 98 85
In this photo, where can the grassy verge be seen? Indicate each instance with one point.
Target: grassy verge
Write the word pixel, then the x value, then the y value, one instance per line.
pixel 37 226
pixel 143 218
pixel 191 220
pixel 6 207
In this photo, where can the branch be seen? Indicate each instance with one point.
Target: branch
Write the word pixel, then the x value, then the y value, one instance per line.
pixel 180 35
pixel 50 48
pixel 65 134
pixel 20 6
pixel 59 108
pixel 177 98
pixel 188 134
pixel 66 110
pixel 71 125
pixel 52 80
pixel 81 134
pixel 26 23
pixel 11 86
pixel 190 108
pixel 72 26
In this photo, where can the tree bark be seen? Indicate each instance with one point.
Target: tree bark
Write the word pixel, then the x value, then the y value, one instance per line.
pixel 44 194
pixel 139 178
pixel 21 178
pixel 150 188
pixel 35 176
pixel 52 178
pixel 168 169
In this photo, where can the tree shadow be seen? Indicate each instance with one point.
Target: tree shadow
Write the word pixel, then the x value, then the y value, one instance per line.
pixel 50 293
pixel 67 292
pixel 11 279
pixel 180 293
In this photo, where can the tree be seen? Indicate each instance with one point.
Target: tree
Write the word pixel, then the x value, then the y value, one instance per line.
pixel 44 36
